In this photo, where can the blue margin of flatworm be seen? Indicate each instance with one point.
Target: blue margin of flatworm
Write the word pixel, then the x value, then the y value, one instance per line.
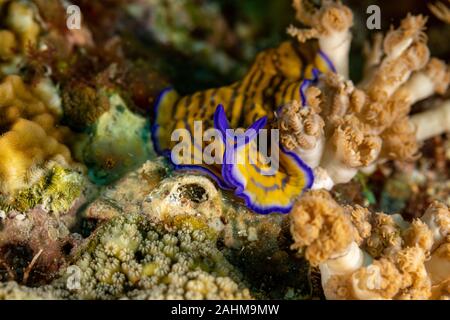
pixel 328 60
pixel 155 126
pixel 307 82
pixel 227 172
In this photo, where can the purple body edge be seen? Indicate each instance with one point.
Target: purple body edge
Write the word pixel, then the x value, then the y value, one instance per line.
pixel 229 181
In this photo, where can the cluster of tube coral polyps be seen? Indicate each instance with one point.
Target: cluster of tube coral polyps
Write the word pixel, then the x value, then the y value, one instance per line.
pixel 330 25
pixel 343 127
pixel 30 136
pixel 364 255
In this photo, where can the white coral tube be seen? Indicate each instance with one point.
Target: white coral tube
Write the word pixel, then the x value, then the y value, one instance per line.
pixel 420 86
pixel 336 169
pixel 312 156
pixel 337 47
pixel 434 78
pixel 322 180
pixel 342 264
pixel 432 122
pixel 438 266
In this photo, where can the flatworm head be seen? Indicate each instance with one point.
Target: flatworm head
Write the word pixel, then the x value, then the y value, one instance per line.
pixel 265 189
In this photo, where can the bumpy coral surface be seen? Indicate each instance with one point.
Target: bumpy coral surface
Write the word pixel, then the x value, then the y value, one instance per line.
pixel 30 137
pixel 131 257
pixel 183 199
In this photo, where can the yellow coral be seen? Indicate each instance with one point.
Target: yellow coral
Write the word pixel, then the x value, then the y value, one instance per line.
pixel 30 136
pixel 22 34
pixel 22 20
pixel 8 44
pixel 360 217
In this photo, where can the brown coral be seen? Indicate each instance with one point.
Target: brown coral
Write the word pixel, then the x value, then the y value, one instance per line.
pixel 319 225
pixel 440 10
pixel 360 218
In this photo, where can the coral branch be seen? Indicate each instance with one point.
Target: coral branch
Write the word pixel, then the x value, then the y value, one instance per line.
pixel 330 25
pixel 370 123
pixel 432 122
pixel 434 78
pixel 441 11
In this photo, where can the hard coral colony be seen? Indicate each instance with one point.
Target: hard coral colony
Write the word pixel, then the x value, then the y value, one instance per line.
pixel 89 211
